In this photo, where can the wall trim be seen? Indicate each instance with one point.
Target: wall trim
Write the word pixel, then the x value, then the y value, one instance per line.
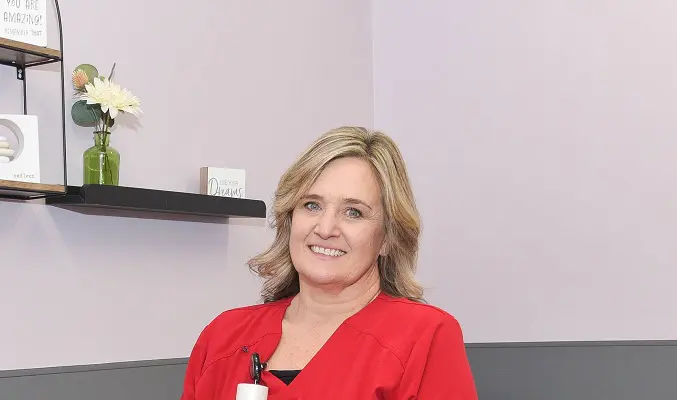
pixel 66 369
pixel 557 370
pixel 72 369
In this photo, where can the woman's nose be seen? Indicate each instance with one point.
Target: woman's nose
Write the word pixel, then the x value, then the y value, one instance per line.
pixel 327 225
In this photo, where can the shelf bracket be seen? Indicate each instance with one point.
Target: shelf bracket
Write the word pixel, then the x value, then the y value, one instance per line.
pixel 20 72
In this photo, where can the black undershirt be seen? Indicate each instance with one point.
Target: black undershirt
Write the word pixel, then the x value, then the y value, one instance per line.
pixel 286 376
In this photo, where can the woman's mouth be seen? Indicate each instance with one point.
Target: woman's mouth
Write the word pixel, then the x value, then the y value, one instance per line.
pixel 327 251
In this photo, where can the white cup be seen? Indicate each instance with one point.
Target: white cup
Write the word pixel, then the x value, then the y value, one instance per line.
pixel 250 391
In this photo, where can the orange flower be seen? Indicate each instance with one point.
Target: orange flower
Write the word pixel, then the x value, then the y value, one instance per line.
pixel 80 79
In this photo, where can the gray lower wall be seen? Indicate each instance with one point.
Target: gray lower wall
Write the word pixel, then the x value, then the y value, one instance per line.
pixel 143 380
pixel 576 370
pixel 514 371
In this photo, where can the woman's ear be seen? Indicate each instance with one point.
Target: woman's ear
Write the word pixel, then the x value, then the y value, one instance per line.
pixel 384 248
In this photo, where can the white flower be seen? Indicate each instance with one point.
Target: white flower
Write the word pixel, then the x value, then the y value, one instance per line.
pixel 111 97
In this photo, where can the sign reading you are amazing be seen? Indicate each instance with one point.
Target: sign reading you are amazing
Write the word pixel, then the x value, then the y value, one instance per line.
pixel 24 21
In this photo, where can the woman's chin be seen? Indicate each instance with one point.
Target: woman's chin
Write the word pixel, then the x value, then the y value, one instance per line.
pixel 322 278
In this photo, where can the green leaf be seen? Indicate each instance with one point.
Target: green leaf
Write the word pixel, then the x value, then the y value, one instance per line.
pixel 89 69
pixel 85 114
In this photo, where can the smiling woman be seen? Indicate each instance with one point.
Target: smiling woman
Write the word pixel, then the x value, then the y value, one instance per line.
pixel 348 172
pixel 343 316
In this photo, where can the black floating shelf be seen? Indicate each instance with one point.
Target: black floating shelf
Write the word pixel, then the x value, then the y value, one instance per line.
pixel 156 204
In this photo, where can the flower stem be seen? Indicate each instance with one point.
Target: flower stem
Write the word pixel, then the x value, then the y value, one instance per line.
pixel 106 127
pixel 110 77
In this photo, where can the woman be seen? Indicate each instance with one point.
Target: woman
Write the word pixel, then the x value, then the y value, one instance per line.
pixel 343 316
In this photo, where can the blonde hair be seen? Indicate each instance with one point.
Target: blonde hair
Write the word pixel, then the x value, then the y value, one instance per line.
pixel 402 222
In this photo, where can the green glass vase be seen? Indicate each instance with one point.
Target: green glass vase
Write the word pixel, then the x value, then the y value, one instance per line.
pixel 101 162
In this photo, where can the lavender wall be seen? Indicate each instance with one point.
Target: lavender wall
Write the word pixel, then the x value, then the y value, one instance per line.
pixel 542 143
pixel 235 84
pixel 538 136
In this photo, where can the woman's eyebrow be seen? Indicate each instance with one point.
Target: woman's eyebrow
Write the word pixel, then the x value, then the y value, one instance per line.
pixel 347 200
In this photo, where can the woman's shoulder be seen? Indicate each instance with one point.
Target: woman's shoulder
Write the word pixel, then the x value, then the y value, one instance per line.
pixel 249 313
pixel 406 312
pixel 399 324
pixel 235 327
pixel 261 315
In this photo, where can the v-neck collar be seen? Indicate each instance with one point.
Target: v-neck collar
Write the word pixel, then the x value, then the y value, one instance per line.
pixel 270 342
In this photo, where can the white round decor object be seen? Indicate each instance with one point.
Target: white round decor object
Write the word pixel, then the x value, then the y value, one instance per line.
pixel 16 141
pixel 4 159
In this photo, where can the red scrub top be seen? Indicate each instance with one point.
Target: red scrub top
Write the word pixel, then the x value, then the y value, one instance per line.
pixel 393 349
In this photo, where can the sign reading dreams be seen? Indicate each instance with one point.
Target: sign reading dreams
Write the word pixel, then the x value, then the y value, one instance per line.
pixel 24 21
pixel 223 182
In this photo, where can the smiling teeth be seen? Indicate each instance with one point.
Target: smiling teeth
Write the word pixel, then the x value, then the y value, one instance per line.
pixel 328 252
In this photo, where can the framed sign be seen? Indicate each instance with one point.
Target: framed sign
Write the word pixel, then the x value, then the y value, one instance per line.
pixel 24 21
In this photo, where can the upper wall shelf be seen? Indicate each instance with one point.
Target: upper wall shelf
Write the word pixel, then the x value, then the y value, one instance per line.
pixel 156 204
pixel 28 190
pixel 26 55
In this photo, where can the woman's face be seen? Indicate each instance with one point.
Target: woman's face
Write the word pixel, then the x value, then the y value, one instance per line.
pixel 337 228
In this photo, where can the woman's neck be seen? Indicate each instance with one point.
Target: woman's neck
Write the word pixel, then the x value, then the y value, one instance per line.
pixel 316 305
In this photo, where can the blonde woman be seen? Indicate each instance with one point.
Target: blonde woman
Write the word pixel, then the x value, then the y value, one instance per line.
pixel 343 316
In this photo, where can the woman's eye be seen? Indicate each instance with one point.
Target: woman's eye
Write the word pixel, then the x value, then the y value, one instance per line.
pixel 312 206
pixel 354 213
